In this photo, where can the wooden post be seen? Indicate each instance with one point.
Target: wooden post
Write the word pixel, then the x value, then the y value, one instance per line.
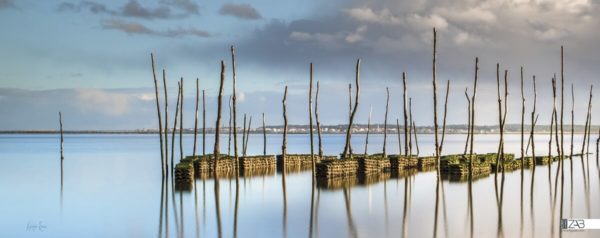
pixel 562 148
pixel 445 114
pixel 410 127
pixel 181 122
pixel 416 139
pixel 349 131
pixel 218 123
pixel 405 114
pixel 473 116
pixel 468 121
pixel 310 119
pixel 175 126
pixel 166 121
pixel 62 156
pixel 229 129
pixel 498 162
pixel 247 135
pixel 350 113
pixel 435 118
pixel 318 123
pixel 368 131
pixel 264 135
pixel 162 156
pixel 244 136
pixel 387 104
pixel 203 124
pixel 196 116
pixel 235 144
pixel 522 124
pixel 532 133
pixel 398 133
pixel 285 130
pixel 587 122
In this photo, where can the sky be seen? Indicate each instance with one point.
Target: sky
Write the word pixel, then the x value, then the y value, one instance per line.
pixel 91 59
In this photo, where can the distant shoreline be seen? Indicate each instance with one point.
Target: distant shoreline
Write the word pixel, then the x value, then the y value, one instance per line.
pixel 252 132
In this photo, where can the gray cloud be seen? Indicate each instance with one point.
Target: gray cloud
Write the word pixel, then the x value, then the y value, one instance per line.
pixel 6 4
pixel 242 11
pixel 136 10
pixel 137 28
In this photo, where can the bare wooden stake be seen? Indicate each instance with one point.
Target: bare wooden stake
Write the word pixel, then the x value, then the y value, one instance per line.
pixel 416 139
pixel 285 129
pixel 244 136
pixel 532 131
pixel 181 122
pixel 387 104
pixel 468 121
pixel 398 133
pixel 203 123
pixel 404 101
pixel 587 121
pixel 196 116
pixel 247 136
pixel 350 113
pixel 349 131
pixel 498 162
pixel 162 156
pixel 175 125
pixel 310 118
pixel 445 114
pixel 218 123
pixel 473 116
pixel 229 129
pixel 368 130
pixel 562 148
pixel 410 127
pixel 62 156
pixel 264 127
pixel 317 119
pixel 166 121
pixel 235 142
pixel 435 117
pixel 522 123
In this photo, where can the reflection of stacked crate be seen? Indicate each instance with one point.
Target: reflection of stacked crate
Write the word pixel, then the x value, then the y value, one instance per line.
pixel 543 160
pixel 350 181
pixel 328 168
pixel 399 162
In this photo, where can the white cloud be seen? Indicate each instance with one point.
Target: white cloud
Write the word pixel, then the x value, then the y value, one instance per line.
pixel 110 103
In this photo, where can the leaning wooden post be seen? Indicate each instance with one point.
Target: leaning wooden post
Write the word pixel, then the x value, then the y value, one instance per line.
pixel 349 131
pixel 368 131
pixel 473 116
pixel 62 157
pixel 244 136
pixel 318 123
pixel 522 123
pixel 310 119
pixel 203 124
pixel 218 123
pixel 228 129
pixel 532 133
pixel 468 121
pixel 410 127
pixel 181 122
pixel 404 101
pixel 387 104
pixel 416 139
pixel 398 133
pixel 162 156
pixel 350 113
pixel 247 135
pixel 235 144
pixel 175 126
pixel 587 122
pixel 264 127
pixel 562 146
pixel 445 113
pixel 196 116
pixel 285 131
pixel 499 119
pixel 166 120
pixel 435 118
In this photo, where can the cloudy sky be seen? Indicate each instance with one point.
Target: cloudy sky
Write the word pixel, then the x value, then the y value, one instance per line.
pixel 91 59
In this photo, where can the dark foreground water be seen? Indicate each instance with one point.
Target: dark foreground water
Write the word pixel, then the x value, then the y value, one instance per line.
pixel 111 187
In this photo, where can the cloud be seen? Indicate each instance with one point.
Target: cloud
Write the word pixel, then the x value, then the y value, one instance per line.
pixel 6 4
pixel 138 28
pixel 134 9
pixel 242 11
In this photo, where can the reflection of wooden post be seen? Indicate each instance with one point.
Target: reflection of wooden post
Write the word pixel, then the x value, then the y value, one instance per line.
pixel 368 131
pixel 264 135
pixel 162 156
pixel 312 147
pixel 318 123
pixel 62 157
pixel 196 116
pixel 218 123
pixel 405 115
pixel 166 120
pixel 349 131
pixel 285 129
pixel 387 104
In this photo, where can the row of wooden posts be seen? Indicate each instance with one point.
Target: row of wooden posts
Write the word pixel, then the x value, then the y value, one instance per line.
pixel 409 123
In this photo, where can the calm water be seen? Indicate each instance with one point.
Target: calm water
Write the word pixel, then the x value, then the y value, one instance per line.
pixel 111 187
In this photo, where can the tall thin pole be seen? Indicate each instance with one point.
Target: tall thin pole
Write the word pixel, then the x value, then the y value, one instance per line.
pixel 349 131
pixel 244 136
pixel 562 148
pixel 350 113
pixel 181 122
pixel 387 104
pixel 398 133
pixel 196 116
pixel 203 123
pixel 162 156
pixel 229 129
pixel 166 120
pixel 368 130
pixel 522 124
pixel 62 157
pixel 404 102
pixel 264 127
pixel 235 144
pixel 410 127
pixel 218 123
pixel 499 155
pixel 310 117
pixel 445 114
pixel 532 133
pixel 416 139
pixel 285 129
pixel 247 135
pixel 435 118
pixel 587 121
pixel 318 123
pixel 473 115
pixel 468 121
pixel 175 126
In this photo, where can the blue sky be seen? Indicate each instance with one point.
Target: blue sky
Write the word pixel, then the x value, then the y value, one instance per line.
pixel 90 59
